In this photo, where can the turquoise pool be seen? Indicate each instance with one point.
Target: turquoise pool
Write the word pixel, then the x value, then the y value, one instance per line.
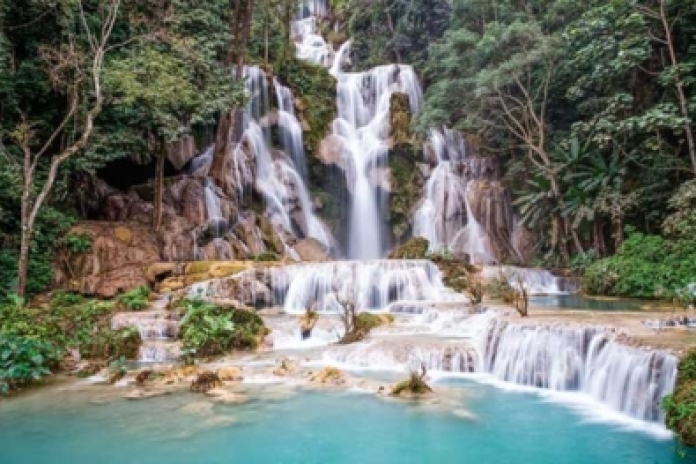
pixel 61 427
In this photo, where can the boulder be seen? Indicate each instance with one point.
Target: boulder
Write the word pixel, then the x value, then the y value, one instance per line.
pixel 329 376
pixel 230 374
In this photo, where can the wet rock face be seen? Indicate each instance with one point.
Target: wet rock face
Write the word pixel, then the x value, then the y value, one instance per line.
pixel 188 232
pixel 116 261
pixel 491 206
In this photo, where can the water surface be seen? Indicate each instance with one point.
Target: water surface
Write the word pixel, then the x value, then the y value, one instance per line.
pixel 312 427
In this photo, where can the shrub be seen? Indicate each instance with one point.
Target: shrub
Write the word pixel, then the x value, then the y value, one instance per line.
pixel 645 266
pixel 136 299
pixel 414 385
pixel 24 360
pixel 78 243
pixel 208 329
pixel 680 407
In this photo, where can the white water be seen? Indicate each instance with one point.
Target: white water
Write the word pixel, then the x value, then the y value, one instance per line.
pixel 362 128
pixel 276 175
pixel 372 285
pixel 630 380
pixel 583 366
pixel 444 217
pixel 537 281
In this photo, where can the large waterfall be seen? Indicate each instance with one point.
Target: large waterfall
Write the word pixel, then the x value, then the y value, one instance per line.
pixel 362 131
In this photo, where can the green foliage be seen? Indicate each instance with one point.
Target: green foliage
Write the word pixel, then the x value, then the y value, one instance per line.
pixel 680 407
pixel 24 360
pixel 316 88
pixel 209 330
pixel 646 266
pixel 366 321
pixel 266 257
pixel 69 321
pixel 136 299
pixel 78 243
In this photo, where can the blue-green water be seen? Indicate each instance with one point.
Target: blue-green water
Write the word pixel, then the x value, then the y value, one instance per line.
pixel 574 301
pixel 310 428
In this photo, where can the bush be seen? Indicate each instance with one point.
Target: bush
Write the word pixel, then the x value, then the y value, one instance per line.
pixel 680 407
pixel 136 299
pixel 646 266
pixel 69 321
pixel 209 330
pixel 24 360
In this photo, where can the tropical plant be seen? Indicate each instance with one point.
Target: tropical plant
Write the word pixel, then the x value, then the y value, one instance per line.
pixel 24 360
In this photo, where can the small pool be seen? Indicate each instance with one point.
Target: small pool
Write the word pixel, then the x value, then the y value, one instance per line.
pixel 68 427
pixel 575 301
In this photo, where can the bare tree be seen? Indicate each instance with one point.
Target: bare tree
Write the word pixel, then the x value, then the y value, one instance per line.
pixel 521 297
pixel 77 70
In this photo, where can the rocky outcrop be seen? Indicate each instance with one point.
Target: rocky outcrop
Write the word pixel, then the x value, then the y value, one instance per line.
pixel 190 230
pixel 115 261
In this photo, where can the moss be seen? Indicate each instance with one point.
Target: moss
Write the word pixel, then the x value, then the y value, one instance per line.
pixel 407 186
pixel 414 248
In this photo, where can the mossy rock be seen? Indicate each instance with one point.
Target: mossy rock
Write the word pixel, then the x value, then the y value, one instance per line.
pixel 407 186
pixel 414 248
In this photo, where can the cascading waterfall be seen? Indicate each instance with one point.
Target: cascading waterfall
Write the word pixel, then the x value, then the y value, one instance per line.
pixel 404 355
pixel 277 175
pixel 372 285
pixel 537 281
pixel 362 127
pixel 630 380
pixel 444 217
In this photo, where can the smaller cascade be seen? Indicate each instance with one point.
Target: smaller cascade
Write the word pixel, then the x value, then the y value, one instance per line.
pixel 401 355
pixel 158 331
pixel 630 380
pixel 373 285
pixel 291 140
pixel 445 217
pixel 537 281
pixel 309 45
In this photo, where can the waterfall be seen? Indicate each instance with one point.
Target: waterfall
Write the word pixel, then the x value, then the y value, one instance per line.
pixel 445 217
pixel 400 355
pixel 372 285
pixel 158 331
pixel 362 128
pixel 630 380
pixel 537 281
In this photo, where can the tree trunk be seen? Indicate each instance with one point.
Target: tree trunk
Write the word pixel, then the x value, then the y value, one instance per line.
pixel 598 239
pixel 159 187
pixel 23 265
pixel 679 84
pixel 223 136
pixel 618 233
